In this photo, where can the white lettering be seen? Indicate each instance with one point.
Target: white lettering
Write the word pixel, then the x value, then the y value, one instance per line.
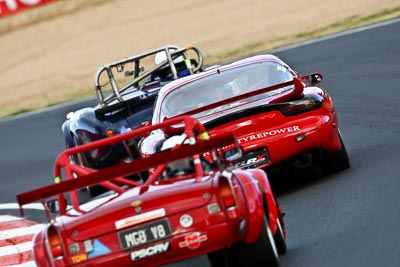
pixel 257 136
pixel 150 251
pixel 136 238
pixel 281 130
pixel 158 231
pixel 251 161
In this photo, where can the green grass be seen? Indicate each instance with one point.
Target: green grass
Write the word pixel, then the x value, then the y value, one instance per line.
pixel 248 49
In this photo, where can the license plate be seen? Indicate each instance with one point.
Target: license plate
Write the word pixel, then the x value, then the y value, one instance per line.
pixel 144 234
pixel 254 159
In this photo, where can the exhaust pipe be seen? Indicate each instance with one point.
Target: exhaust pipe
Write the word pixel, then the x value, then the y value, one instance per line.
pixel 303 161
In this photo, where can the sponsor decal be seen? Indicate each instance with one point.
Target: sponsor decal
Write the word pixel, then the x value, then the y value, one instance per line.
pixel 253 137
pixel 78 258
pixel 88 245
pixel 136 203
pixel 73 248
pixel 150 251
pixel 96 249
pixel 186 220
pixel 254 159
pixel 193 240
pixel 213 208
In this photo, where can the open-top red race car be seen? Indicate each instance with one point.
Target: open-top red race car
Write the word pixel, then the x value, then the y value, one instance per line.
pixel 194 202
pixel 283 121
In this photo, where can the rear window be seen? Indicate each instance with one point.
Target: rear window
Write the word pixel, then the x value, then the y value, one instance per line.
pixel 224 85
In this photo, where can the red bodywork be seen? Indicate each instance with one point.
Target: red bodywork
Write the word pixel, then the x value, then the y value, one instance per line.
pixel 157 221
pixel 286 126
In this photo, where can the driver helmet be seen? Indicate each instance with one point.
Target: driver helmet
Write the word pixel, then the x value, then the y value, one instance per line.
pixel 161 56
pixel 180 63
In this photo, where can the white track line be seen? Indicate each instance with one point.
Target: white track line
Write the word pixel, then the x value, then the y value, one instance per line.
pixel 15 249
pixel 16 232
pixel 25 264
pixel 15 206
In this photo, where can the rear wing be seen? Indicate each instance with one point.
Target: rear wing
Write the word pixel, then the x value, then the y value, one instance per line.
pixel 138 74
pixel 69 177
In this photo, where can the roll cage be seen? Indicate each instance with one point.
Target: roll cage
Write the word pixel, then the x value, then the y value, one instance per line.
pixel 70 177
pixel 141 76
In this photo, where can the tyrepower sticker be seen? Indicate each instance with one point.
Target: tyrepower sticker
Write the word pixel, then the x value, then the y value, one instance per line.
pixel 254 137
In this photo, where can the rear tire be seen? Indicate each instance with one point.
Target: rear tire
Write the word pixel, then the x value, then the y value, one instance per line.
pixel 217 258
pixel 338 161
pixel 279 238
pixel 262 253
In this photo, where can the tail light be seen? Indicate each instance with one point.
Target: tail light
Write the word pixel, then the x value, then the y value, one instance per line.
pixel 88 137
pixel 300 106
pixel 226 193
pixel 55 242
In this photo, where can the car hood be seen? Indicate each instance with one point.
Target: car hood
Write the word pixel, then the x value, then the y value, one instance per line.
pixel 171 198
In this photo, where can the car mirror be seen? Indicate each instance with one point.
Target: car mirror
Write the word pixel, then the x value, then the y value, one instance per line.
pixel 233 154
pixel 312 79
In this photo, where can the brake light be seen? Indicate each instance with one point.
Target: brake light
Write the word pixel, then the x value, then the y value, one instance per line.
pixel 88 137
pixel 55 242
pixel 227 194
pixel 300 106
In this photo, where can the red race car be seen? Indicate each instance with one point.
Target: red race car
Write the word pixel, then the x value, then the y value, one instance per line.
pixel 194 202
pixel 282 120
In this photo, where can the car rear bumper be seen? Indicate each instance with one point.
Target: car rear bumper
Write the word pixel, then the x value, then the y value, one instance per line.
pixel 177 248
pixel 286 137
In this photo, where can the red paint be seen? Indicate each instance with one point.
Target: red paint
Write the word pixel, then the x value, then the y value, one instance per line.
pixel 10 7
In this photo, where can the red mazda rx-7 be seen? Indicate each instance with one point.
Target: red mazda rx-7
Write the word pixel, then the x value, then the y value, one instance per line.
pixel 282 120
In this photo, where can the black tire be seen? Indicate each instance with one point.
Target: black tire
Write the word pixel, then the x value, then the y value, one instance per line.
pixel 218 258
pixel 338 161
pixel 262 253
pixel 280 240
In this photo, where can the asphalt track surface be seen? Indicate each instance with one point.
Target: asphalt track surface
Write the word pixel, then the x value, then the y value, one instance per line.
pixel 351 218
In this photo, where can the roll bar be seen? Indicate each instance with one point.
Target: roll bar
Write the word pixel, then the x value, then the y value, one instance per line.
pixel 172 52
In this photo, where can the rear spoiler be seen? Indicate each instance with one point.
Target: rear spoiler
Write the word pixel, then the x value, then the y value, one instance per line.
pixel 87 177
pixel 296 91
